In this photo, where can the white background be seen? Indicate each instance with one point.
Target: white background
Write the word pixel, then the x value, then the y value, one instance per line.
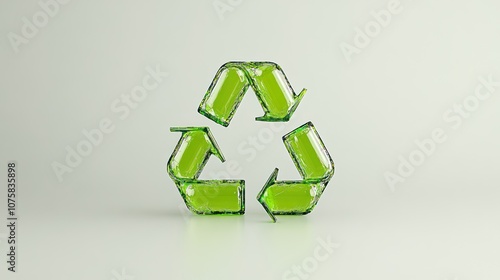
pixel 118 215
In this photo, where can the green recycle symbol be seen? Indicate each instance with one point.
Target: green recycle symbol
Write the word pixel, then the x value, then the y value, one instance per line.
pixel 197 144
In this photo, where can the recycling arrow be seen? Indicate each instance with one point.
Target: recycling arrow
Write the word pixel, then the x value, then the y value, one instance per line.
pixel 268 81
pixel 315 166
pixel 185 165
pixel 278 101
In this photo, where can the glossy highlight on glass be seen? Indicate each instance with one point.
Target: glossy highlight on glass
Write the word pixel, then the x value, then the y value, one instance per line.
pixel 185 166
pixel 278 101
pixel 314 164
pixel 268 81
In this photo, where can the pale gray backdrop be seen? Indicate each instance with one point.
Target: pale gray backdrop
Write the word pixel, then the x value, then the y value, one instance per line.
pixel 381 76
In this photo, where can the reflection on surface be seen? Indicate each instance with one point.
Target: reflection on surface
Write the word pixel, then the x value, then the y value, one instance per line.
pixel 231 244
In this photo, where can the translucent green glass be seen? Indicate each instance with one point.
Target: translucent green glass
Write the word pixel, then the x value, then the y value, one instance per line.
pixel 278 101
pixel 267 79
pixel 309 153
pixel 190 157
pixel 274 91
pixel 292 197
pixel 214 196
pixel 225 94
pixel 185 166
pixel 315 166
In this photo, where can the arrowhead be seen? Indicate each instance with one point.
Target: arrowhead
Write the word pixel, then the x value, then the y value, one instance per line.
pixel 185 166
pixel 289 197
pixel 215 149
pixel 262 193
pixel 193 162
pixel 268 117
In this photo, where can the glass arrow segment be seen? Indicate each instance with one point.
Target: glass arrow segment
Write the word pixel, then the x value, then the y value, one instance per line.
pixel 290 197
pixel 309 153
pixel 192 152
pixel 273 90
pixel 185 166
pixel 225 94
pixel 214 196
pixel 267 79
pixel 316 168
